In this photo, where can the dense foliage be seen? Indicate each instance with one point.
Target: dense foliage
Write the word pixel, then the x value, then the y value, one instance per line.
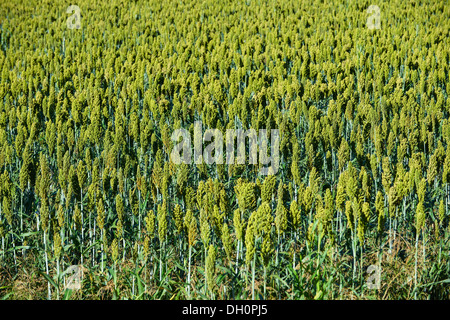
pixel 86 117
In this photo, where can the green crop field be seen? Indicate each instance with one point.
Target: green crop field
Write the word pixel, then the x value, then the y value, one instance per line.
pixel 95 96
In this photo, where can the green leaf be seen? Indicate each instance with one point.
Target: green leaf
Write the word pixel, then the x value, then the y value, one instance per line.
pixel 6 296
pixel 27 234
pixel 318 295
pixel 47 277
pixel 67 294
